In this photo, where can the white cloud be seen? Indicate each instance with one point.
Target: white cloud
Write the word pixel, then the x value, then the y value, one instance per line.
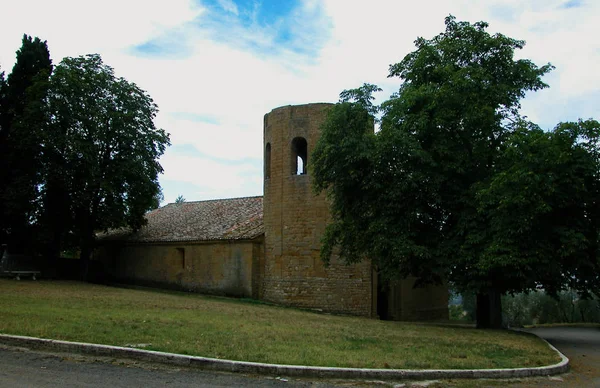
pixel 213 179
pixel 237 74
pixel 74 27
pixel 228 141
pixel 229 6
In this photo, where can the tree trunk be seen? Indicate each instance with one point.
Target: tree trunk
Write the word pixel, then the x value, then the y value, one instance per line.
pixel 489 310
pixel 84 261
pixel 52 253
pixel 87 247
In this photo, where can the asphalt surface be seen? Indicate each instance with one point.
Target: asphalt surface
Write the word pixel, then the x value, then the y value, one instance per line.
pixel 582 346
pixel 20 368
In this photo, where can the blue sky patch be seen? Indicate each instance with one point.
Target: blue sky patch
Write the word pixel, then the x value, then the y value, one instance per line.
pixel 229 162
pixel 195 117
pixel 172 189
pixel 266 26
pixel 184 150
pixel 503 12
pixel 263 12
pixel 163 47
pixel 190 150
pixel 572 4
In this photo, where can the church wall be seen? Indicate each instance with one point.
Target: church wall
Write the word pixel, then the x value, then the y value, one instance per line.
pixel 222 268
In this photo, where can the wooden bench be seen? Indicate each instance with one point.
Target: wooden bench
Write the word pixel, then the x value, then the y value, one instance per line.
pixel 18 265
pixel 18 274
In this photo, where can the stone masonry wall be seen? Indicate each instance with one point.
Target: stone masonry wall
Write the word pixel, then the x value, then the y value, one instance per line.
pixel 295 220
pixel 222 268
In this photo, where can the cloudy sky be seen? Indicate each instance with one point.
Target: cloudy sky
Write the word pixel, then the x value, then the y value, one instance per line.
pixel 215 67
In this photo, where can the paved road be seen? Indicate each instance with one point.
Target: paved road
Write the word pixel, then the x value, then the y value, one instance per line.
pixel 582 346
pixel 23 368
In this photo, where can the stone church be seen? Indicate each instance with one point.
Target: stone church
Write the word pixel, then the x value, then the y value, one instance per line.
pixel 266 248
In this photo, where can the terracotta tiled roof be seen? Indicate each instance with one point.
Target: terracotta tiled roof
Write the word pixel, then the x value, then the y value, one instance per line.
pixel 220 219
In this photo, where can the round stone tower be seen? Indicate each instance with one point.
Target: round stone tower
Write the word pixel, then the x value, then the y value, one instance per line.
pixel 295 220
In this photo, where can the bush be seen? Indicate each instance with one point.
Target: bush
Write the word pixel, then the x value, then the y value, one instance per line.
pixel 536 308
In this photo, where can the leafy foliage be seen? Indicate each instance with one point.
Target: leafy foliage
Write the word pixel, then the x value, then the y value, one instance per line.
pixel 536 307
pixel 540 308
pixel 79 152
pixel 456 183
pixel 541 206
pixel 22 99
pixel 2 101
pixel 102 148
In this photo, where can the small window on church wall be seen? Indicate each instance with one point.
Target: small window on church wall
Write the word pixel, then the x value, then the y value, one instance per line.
pixel 299 156
pixel 181 252
pixel 268 161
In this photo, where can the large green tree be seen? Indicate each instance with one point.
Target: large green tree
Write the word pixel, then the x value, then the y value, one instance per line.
pixel 2 101
pixel 418 197
pixel 101 152
pixel 22 123
pixel 541 206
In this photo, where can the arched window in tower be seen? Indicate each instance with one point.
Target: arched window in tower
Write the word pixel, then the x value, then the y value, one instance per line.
pixel 268 161
pixel 299 156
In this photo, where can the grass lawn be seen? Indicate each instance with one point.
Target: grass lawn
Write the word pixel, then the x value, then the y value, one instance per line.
pixel 232 329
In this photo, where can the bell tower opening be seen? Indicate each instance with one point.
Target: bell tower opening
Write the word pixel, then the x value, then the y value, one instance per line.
pixel 268 161
pixel 299 156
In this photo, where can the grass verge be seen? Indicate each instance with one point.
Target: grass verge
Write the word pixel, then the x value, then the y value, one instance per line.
pixel 237 330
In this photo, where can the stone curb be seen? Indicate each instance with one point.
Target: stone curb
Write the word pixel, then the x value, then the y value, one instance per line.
pixel 281 370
